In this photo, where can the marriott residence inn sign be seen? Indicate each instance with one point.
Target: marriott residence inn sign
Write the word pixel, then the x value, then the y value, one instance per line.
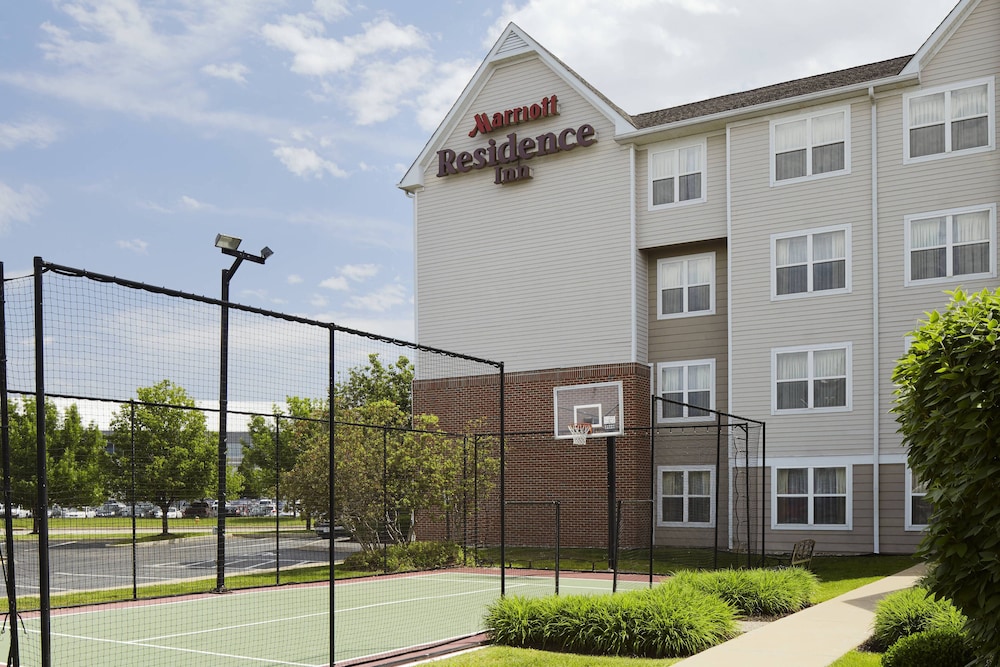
pixel 505 157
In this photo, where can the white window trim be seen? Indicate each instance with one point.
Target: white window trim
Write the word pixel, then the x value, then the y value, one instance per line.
pixel 660 315
pixel 685 364
pixel 812 177
pixel 846 289
pixel 659 496
pixel 849 505
pixel 908 497
pixel 908 219
pixel 846 346
pixel 676 146
pixel 991 118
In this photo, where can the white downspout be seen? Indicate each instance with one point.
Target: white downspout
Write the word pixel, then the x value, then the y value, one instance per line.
pixel 634 252
pixel 729 323
pixel 876 409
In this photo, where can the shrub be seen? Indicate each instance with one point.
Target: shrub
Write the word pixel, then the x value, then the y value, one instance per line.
pixel 909 612
pixel 947 399
pixel 658 623
pixel 930 648
pixel 756 592
pixel 400 557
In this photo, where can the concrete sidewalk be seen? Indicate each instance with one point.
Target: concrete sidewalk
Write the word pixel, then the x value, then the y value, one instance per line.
pixel 813 637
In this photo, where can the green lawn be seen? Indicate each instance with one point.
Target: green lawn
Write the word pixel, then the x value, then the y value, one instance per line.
pixel 838 574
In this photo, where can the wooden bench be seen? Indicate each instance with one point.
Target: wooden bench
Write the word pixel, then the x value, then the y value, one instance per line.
pixel 802 554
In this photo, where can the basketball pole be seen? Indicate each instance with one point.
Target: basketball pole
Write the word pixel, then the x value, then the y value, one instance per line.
pixel 612 500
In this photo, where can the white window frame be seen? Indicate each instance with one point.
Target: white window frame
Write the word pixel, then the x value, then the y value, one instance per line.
pixel 685 523
pixel 811 466
pixel 661 276
pixel 991 121
pixel 810 233
pixel 846 346
pixel 809 175
pixel 950 277
pixel 687 389
pixel 910 494
pixel 675 147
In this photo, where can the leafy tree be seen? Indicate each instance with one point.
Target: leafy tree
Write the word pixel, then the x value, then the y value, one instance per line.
pixel 76 460
pixel 258 464
pixel 948 406
pixel 391 467
pixel 176 457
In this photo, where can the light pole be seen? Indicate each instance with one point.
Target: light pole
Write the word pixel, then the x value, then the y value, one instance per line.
pixel 228 245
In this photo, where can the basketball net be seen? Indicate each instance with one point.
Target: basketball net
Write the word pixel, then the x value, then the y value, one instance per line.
pixel 580 432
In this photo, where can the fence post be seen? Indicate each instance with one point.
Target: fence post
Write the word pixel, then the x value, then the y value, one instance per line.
pixel 8 518
pixel 277 501
pixel 41 471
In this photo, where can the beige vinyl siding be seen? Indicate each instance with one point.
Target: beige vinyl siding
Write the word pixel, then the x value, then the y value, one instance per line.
pixel 858 540
pixel 972 52
pixel 895 539
pixel 760 324
pixel 696 337
pixel 642 307
pixel 685 222
pixel 536 273
pixel 973 47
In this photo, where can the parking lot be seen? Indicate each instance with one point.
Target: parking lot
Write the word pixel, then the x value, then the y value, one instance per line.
pixel 84 564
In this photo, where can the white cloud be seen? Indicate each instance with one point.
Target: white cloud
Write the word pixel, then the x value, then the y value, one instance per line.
pixel 380 300
pixel 19 206
pixel 441 90
pixel 331 10
pixel 294 279
pixel 383 85
pixel 318 301
pixel 193 204
pixel 336 283
pixel 305 162
pixel 358 272
pixel 232 71
pixel 138 246
pixel 37 133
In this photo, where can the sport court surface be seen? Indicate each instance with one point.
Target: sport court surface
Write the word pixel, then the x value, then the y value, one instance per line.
pixel 382 616
pixel 280 626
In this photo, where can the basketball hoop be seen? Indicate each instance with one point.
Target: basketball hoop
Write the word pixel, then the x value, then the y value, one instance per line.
pixel 580 432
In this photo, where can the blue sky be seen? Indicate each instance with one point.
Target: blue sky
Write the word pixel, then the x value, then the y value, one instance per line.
pixel 131 132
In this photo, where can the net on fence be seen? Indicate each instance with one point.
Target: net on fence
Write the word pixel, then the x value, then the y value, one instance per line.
pixel 181 505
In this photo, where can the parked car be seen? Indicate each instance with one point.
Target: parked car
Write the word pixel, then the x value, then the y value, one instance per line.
pixel 111 508
pixel 322 529
pixel 198 508
pixel 16 512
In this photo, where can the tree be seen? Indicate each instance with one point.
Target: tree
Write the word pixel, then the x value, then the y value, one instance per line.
pixel 391 467
pixel 175 454
pixel 76 460
pixel 948 406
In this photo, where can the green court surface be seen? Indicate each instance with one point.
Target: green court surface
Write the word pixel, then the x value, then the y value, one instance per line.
pixel 387 614
pixel 280 626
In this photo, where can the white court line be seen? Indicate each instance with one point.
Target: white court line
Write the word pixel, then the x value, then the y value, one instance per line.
pixel 216 654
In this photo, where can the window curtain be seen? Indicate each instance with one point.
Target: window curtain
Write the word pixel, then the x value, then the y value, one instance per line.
pixel 830 509
pixel 830 387
pixel 970 122
pixel 971 236
pixel 790 258
pixel 672 287
pixel 699 385
pixel 699 279
pixel 793 386
pixel 662 174
pixel 672 388
pixel 928 255
pixel 828 143
pixel 830 267
pixel 790 144
pixel 927 125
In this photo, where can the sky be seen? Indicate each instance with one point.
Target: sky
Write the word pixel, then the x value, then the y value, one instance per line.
pixel 133 131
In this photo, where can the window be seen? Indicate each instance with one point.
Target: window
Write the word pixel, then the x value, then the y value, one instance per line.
pixel 949 120
pixel 813 378
pixel 948 244
pixel 918 510
pixel 811 496
pixel 812 261
pixel 676 174
pixel 686 496
pixel 807 146
pixel 686 286
pixel 691 382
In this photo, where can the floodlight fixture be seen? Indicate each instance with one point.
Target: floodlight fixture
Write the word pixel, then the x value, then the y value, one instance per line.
pixel 227 242
pixel 266 252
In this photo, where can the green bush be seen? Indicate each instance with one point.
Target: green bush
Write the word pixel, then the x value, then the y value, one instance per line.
pixel 947 404
pixel 756 592
pixel 909 612
pixel 403 557
pixel 667 621
pixel 930 648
